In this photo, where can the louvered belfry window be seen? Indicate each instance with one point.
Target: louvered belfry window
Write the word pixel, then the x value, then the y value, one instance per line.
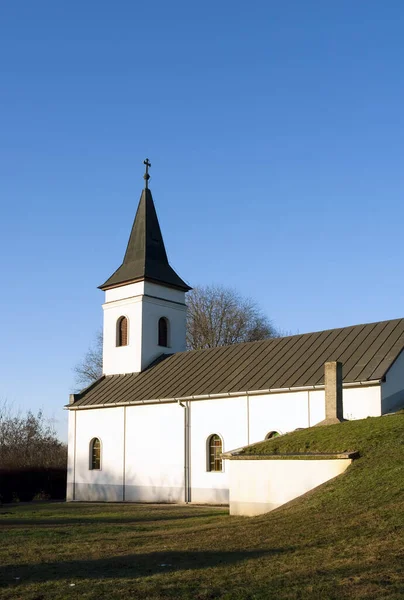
pixel 215 450
pixel 163 332
pixel 122 333
pixel 95 454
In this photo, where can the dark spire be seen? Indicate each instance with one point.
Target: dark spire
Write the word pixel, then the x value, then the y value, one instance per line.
pixel 145 256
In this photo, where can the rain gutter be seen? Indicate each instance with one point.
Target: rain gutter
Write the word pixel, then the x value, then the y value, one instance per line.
pixel 218 396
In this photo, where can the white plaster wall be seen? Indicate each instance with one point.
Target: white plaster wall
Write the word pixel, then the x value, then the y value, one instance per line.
pixel 277 412
pixel 122 359
pixel 227 418
pixel 317 406
pixel 155 445
pixel 259 486
pixel 361 402
pixel 154 453
pixel 123 292
pixel 143 304
pixel 393 387
pixel 144 287
pixel 357 402
pixel 164 292
pixel 105 484
pixel 153 310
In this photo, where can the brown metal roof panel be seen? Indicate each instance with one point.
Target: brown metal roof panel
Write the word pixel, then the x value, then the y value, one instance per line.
pixel 229 370
pixel 219 380
pixel 129 395
pixel 132 383
pixel 256 361
pixel 203 373
pixel 200 360
pixel 181 377
pixel 97 395
pixel 149 379
pixel 337 354
pixel 89 390
pixel 300 376
pixel 359 347
pixel 297 363
pixel 113 391
pixel 376 350
pixel 263 373
pixel 387 354
pixel 135 387
pixel 116 394
pixel 290 358
pixel 313 371
pixel 384 367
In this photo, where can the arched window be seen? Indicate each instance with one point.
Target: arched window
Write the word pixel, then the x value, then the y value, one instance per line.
pixel 163 332
pixel 95 454
pixel 272 434
pixel 214 451
pixel 122 332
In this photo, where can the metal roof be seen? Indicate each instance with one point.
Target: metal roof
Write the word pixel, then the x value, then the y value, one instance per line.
pixel 145 256
pixel 366 352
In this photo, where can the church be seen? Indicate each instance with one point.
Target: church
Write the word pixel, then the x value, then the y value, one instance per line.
pixel 154 427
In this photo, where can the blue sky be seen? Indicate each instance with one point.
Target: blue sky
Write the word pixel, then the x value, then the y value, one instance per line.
pixel 275 132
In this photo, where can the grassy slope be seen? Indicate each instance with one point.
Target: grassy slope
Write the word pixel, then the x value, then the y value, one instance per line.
pixel 344 540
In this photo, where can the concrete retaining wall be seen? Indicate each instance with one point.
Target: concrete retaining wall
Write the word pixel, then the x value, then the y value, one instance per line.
pixel 259 486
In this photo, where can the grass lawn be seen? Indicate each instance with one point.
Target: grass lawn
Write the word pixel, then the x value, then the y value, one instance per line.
pixel 343 540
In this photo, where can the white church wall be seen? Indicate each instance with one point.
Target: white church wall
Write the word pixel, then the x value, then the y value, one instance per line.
pixel 163 292
pixel 122 359
pixel 281 412
pixel 154 448
pixel 361 402
pixel 153 310
pixel 393 387
pixel 228 419
pixel 123 292
pixel 154 453
pixel 105 484
pixel 317 406
pixel 143 304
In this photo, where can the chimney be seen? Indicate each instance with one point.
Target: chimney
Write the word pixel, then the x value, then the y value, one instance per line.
pixel 333 391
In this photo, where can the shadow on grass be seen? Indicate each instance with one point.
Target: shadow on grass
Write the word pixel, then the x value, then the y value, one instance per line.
pixel 130 566
pixel 93 520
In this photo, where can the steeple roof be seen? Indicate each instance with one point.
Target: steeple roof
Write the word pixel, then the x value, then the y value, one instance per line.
pixel 145 257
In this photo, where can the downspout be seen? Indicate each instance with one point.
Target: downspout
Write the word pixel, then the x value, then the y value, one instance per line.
pixel 186 451
pixel 74 457
pixel 124 455
pixel 248 419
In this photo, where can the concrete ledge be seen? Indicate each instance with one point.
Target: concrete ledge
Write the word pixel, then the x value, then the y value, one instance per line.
pixel 306 456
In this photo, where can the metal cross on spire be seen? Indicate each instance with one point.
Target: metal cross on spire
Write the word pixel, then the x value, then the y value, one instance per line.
pixel 146 176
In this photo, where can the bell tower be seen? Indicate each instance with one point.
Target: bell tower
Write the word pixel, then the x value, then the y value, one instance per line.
pixel 144 309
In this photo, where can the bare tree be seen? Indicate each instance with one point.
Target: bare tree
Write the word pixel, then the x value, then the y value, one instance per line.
pixel 220 316
pixel 28 440
pixel 89 369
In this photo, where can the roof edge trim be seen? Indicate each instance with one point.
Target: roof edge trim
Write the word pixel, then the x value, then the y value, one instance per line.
pixel 112 286
pixel 221 395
